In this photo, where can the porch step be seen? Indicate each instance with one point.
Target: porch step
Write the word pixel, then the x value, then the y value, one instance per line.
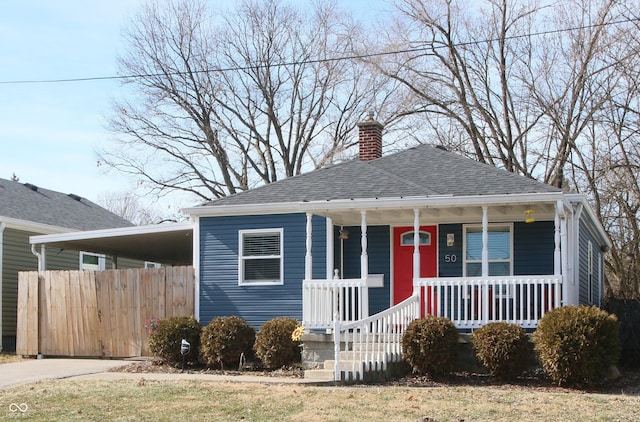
pixel 319 375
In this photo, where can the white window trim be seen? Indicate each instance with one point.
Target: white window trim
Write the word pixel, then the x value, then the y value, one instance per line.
pixel 492 225
pixel 241 257
pixel 101 260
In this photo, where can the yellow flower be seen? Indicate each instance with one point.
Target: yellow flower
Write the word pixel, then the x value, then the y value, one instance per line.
pixel 297 333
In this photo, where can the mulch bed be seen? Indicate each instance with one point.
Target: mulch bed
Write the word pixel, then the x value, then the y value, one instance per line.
pixel 628 383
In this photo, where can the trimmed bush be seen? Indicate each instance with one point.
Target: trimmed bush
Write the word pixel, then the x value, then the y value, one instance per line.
pixel 503 349
pixel 577 345
pixel 166 339
pixel 225 339
pixel 430 345
pixel 274 345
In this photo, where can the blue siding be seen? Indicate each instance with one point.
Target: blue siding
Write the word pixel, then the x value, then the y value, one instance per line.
pixel 533 246
pixel 379 251
pixel 220 294
pixel 583 271
pixel 451 267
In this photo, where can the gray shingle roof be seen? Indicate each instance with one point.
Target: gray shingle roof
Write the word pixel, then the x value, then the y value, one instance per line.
pixel 415 172
pixel 23 201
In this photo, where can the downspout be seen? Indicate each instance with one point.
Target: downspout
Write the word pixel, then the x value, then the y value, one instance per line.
pixel 2 227
pixel 196 266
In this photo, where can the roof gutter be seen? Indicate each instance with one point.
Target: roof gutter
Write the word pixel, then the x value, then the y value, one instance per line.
pixel 106 233
pixel 434 201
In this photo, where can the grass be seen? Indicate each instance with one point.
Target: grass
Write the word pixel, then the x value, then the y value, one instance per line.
pixel 9 357
pixel 189 400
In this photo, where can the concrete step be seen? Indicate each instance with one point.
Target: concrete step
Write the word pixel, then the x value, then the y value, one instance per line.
pixel 319 375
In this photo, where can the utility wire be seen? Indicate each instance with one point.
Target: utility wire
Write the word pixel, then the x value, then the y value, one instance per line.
pixel 314 61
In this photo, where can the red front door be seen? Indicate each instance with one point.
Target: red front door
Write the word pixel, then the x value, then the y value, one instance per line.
pixel 403 259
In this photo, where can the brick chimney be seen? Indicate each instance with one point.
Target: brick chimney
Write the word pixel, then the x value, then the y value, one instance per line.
pixel 370 139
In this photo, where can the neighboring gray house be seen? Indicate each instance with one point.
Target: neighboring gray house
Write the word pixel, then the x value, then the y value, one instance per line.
pixel 27 210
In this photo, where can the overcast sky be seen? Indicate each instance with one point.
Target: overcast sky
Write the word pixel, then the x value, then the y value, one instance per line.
pixel 49 131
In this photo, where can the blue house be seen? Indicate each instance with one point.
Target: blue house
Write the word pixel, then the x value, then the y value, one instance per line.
pixel 423 229
pixel 358 250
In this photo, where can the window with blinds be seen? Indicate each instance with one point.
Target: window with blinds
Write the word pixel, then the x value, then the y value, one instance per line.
pixel 499 248
pixel 260 258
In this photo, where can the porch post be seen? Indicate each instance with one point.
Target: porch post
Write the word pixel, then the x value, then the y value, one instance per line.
pixel 416 243
pixel 485 264
pixel 556 252
pixel 564 256
pixel 330 253
pixel 364 267
pixel 485 243
pixel 308 262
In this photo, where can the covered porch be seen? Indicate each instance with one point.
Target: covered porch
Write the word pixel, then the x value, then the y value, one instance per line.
pixel 470 300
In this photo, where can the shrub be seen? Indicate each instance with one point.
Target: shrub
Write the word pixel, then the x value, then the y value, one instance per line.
pixel 503 348
pixel 577 345
pixel 430 345
pixel 628 313
pixel 225 339
pixel 166 339
pixel 274 345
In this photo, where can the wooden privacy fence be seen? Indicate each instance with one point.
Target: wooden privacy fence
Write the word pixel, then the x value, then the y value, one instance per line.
pixel 98 314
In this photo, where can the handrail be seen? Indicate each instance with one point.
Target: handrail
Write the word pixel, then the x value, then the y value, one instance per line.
pixel 369 344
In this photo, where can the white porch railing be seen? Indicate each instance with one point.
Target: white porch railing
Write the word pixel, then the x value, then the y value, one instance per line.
pixel 370 344
pixel 322 299
pixel 473 302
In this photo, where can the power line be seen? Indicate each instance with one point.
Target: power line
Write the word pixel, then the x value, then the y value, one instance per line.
pixel 314 61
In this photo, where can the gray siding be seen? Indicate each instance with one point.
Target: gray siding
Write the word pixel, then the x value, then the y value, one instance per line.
pixel 220 294
pixel 379 251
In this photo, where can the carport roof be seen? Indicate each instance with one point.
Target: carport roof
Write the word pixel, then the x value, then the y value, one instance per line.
pixel 167 243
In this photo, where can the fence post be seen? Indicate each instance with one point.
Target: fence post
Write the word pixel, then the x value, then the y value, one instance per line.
pixel 336 346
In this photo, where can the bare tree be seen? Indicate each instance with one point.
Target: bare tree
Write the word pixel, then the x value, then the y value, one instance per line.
pixel 230 100
pixel 128 206
pixel 546 90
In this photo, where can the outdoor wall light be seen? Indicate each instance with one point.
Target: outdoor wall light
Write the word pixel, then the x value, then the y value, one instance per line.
pixel 450 239
pixel 343 234
pixel 529 216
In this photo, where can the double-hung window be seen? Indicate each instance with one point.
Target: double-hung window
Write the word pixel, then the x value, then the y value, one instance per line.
pixel 499 248
pixel 260 257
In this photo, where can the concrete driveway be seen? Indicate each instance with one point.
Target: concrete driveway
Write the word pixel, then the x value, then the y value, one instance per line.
pixel 34 370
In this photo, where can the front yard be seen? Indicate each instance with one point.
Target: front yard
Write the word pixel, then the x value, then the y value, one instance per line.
pixel 410 399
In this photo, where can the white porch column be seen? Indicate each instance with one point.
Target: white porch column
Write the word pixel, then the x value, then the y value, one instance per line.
pixel 364 268
pixel 485 263
pixel 485 242
pixel 329 248
pixel 416 243
pixel 364 258
pixel 308 261
pixel 564 260
pixel 556 237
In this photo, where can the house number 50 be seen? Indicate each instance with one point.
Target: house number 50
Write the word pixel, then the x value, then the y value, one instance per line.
pixel 450 258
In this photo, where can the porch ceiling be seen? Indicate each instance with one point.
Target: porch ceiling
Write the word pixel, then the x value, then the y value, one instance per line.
pixel 439 215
